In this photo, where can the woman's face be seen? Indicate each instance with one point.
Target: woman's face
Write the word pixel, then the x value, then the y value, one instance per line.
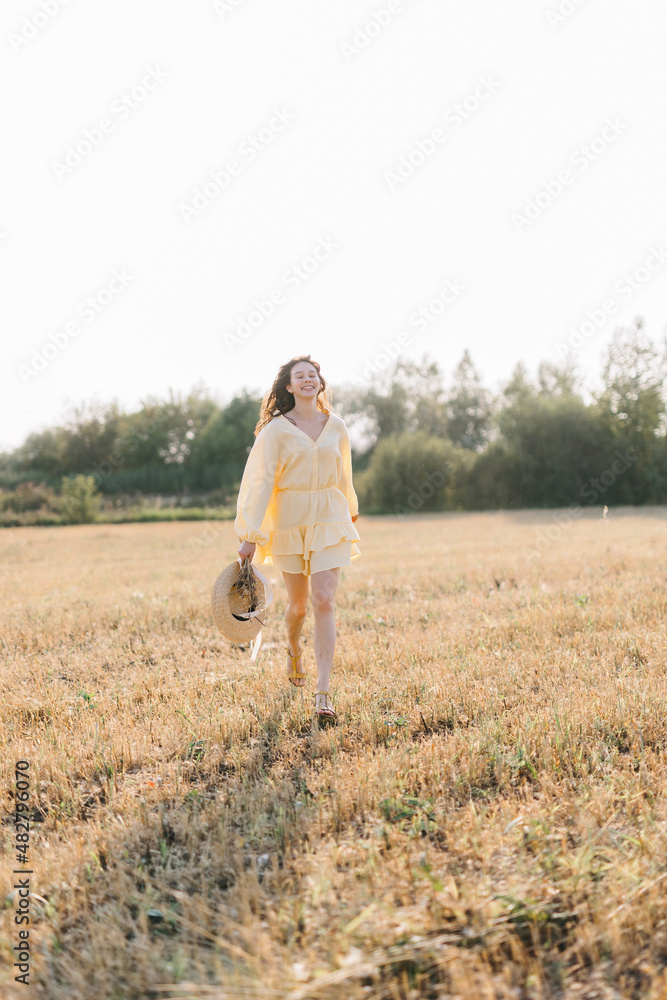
pixel 304 381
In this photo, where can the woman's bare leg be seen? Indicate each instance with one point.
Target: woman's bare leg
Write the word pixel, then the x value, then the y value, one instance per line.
pixel 323 590
pixel 295 613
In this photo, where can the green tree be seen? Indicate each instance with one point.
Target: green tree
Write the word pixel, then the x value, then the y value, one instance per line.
pixel 220 450
pixel 519 386
pixel 79 499
pixel 632 406
pixel 89 432
pixel 425 401
pixel 557 444
pixel 633 376
pixel 180 420
pixel 495 480
pixel 407 398
pixel 41 450
pixel 469 407
pixel 558 380
pixel 154 445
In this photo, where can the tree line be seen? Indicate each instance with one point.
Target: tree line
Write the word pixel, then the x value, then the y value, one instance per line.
pixel 419 444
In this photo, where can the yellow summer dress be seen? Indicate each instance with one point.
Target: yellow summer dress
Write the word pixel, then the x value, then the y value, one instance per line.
pixel 296 500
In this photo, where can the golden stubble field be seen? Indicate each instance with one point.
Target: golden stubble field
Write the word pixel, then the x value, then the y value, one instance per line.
pixel 488 818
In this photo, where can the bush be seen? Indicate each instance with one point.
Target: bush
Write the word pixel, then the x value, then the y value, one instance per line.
pixel 408 473
pixel 495 479
pixel 27 496
pixel 79 499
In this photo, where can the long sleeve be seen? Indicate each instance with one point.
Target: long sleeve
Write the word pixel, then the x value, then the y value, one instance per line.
pixel 257 487
pixel 345 484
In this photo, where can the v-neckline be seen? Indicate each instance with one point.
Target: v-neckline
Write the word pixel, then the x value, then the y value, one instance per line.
pixel 313 440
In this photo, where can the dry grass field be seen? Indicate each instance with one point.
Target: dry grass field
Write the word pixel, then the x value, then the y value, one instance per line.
pixel 487 820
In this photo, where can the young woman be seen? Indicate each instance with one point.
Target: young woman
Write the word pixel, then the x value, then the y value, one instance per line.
pixel 296 509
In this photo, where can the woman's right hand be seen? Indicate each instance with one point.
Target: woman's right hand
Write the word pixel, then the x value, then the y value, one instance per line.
pixel 247 549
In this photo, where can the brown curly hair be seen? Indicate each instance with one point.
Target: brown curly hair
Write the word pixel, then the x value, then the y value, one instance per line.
pixel 278 400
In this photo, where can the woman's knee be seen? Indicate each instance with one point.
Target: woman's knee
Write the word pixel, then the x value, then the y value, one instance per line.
pixel 323 600
pixel 297 608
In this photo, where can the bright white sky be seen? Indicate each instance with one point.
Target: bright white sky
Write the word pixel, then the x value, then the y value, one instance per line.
pixel 219 72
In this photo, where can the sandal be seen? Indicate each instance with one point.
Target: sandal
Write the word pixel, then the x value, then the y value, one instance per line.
pixel 326 713
pixel 296 674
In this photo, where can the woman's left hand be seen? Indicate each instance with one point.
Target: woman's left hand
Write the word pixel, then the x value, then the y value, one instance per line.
pixel 246 550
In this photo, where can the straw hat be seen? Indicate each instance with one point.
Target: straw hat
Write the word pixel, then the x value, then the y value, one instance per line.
pixel 235 614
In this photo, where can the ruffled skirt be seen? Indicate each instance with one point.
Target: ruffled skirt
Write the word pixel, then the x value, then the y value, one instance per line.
pixel 323 536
